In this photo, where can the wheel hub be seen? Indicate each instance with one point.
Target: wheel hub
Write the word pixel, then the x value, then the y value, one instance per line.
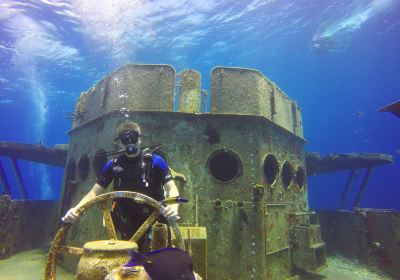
pixel 102 256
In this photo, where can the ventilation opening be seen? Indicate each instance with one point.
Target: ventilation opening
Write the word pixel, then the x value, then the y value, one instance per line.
pixel 300 177
pixel 83 167
pixel 224 165
pixel 287 174
pixel 99 161
pixel 271 169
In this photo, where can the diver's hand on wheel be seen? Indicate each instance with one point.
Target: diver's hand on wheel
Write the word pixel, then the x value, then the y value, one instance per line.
pixel 70 217
pixel 170 213
pixel 196 276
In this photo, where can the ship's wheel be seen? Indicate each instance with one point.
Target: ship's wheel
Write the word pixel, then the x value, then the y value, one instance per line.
pixel 101 200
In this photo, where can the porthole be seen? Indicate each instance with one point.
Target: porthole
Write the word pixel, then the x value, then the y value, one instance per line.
pixel 70 171
pixel 69 186
pixel 99 161
pixel 271 169
pixel 300 177
pixel 224 165
pixel 83 167
pixel 287 174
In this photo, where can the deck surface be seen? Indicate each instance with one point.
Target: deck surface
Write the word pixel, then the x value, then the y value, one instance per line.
pixel 29 265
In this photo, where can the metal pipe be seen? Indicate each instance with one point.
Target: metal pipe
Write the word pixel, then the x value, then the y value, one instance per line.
pixel 4 181
pixel 189 236
pixel 18 176
pixel 242 212
pixel 159 236
pixel 197 210
pixel 362 188
pixel 346 189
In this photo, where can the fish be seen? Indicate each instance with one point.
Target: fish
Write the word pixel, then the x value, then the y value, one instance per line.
pixel 359 114
pixel 174 200
pixel 397 151
pixel 393 108
pixel 164 264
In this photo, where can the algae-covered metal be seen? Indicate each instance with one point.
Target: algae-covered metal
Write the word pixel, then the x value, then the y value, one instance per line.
pixel 370 235
pixel 101 257
pixel 243 163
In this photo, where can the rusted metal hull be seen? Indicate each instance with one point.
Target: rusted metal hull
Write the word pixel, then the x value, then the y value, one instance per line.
pixel 19 230
pixel 37 153
pixel 243 166
pixel 317 164
pixel 254 131
pixel 370 235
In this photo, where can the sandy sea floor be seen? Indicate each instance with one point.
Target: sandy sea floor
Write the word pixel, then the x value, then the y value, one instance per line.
pixel 340 268
pixel 29 265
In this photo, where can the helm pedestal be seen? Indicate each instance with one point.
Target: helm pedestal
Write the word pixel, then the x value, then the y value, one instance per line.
pixel 102 256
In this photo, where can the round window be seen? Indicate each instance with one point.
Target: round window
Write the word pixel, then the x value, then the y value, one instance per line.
pixel 84 167
pixel 70 171
pixel 287 174
pixel 271 169
pixel 99 161
pixel 300 177
pixel 224 165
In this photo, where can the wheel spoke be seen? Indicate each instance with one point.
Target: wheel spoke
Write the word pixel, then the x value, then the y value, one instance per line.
pixel 108 222
pixel 145 226
pixel 71 250
pixel 56 247
pixel 50 271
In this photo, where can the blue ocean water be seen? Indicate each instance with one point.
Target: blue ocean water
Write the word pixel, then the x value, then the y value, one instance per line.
pixel 338 59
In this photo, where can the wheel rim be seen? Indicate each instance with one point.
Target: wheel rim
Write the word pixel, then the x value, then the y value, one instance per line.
pixel 50 272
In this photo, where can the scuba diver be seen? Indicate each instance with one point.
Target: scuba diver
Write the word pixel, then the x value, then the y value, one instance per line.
pixel 133 170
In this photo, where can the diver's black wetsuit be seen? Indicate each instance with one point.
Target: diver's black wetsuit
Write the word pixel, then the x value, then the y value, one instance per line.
pixel 128 175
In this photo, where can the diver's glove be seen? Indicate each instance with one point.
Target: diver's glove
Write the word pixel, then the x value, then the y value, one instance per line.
pixel 70 217
pixel 171 213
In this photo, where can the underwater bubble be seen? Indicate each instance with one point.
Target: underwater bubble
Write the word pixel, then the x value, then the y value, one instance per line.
pixel 124 112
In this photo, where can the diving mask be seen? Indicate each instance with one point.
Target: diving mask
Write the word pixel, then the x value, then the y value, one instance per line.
pixel 129 137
